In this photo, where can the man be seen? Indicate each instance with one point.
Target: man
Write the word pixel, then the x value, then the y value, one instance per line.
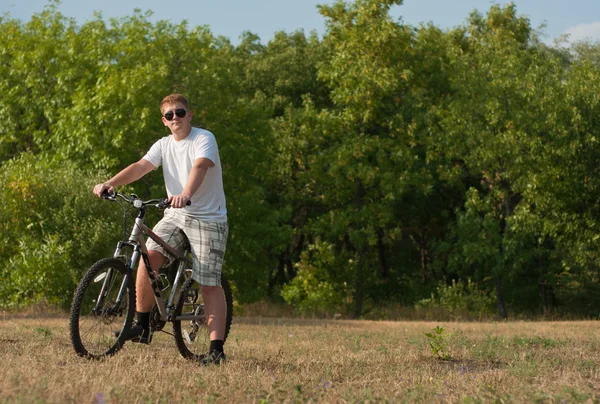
pixel 192 172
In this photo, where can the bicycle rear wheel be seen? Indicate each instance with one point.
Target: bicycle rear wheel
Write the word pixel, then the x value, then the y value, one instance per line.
pixel 96 312
pixel 191 336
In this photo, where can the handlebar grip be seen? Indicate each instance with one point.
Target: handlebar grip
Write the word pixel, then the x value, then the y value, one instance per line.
pixel 166 204
pixel 166 201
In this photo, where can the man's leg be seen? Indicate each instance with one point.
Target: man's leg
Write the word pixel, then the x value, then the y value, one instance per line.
pixel 144 297
pixel 208 241
pixel 215 309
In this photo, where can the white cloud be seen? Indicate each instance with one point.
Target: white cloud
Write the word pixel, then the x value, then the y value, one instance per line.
pixel 583 32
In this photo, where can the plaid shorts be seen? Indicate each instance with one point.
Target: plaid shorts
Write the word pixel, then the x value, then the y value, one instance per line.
pixel 208 241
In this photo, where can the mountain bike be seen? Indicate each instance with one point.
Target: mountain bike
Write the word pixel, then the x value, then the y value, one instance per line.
pixel 104 300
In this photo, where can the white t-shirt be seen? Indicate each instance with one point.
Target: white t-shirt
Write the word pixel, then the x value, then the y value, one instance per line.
pixel 177 159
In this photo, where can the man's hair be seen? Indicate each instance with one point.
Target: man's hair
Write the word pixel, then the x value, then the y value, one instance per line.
pixel 174 99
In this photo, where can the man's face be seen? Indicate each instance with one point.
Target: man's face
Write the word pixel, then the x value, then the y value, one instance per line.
pixel 176 117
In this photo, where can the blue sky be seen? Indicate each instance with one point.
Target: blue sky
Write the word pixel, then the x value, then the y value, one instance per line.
pixel 579 18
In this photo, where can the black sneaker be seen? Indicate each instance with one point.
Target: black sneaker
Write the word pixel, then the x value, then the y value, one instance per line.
pixel 136 333
pixel 213 358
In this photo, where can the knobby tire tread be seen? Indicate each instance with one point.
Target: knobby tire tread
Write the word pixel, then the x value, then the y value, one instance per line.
pixel 78 296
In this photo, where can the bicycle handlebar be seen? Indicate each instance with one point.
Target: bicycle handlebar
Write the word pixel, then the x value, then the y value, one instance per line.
pixel 134 200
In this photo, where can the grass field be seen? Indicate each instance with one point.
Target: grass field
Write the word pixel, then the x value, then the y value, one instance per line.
pixel 314 361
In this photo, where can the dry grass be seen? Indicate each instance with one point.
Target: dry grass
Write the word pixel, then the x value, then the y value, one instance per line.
pixel 313 361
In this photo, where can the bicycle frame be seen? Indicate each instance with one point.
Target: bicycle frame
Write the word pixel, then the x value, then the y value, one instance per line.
pixel 137 243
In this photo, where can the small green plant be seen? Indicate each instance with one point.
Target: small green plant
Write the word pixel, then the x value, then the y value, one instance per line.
pixel 44 331
pixel 438 342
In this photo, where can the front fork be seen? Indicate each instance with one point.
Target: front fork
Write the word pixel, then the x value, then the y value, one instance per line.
pixel 99 309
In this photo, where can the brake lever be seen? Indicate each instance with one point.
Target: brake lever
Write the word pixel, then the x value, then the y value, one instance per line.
pixel 111 196
pixel 163 204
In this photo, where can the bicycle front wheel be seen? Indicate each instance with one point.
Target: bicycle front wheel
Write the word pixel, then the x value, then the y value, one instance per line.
pixel 191 335
pixel 104 303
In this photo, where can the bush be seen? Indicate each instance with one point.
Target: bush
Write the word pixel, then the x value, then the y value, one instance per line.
pixel 460 299
pixel 53 230
pixel 311 292
pixel 39 268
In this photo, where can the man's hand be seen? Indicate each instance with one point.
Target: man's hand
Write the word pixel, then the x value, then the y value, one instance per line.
pixel 102 188
pixel 178 201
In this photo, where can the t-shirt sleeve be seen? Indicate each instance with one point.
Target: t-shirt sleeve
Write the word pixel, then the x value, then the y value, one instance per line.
pixel 154 155
pixel 206 147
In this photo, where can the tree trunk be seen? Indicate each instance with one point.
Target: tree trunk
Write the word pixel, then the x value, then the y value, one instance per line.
pixel 359 273
pixel 547 298
pixel 358 291
pixel 544 298
pixel 385 272
pixel 499 296
pixel 500 299
pixel 277 278
pixel 423 251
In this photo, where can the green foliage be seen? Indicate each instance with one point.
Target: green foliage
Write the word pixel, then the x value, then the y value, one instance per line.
pixel 364 167
pixel 460 299
pixel 46 332
pixel 39 273
pixel 438 343
pixel 311 291
pixel 53 230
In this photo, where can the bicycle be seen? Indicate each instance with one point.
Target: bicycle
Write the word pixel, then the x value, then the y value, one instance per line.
pixel 105 296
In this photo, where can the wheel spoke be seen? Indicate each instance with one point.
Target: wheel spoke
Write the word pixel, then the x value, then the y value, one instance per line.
pixel 92 332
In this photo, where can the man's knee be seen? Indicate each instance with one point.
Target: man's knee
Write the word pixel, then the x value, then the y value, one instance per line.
pixel 156 260
pixel 211 290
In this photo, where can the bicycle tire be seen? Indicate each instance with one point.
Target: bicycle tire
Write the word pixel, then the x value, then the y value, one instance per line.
pixel 92 328
pixel 196 343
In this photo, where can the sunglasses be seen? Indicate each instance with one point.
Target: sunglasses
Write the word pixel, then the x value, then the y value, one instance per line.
pixel 180 112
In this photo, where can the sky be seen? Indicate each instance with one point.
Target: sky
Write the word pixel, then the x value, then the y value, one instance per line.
pixel 230 18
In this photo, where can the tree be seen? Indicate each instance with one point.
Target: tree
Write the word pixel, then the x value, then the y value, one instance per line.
pixel 492 128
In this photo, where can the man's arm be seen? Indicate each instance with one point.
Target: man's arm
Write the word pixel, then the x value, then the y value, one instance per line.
pixel 126 176
pixel 194 181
